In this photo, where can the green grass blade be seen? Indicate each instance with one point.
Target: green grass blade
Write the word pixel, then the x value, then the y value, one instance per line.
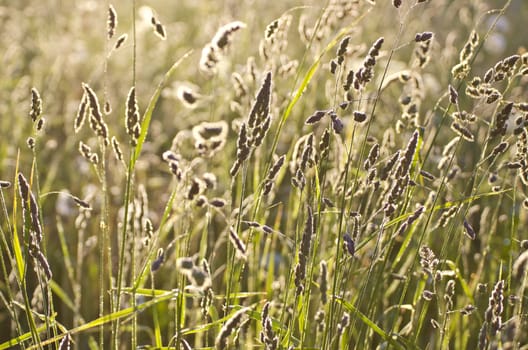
pixel 106 319
pixel 20 339
pixel 20 264
pixel 152 104
pixel 62 295
pixel 369 323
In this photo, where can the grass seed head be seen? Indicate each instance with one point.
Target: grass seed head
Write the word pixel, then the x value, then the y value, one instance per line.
pixel 97 123
pixel 132 117
pixel 120 41
pixel 36 105
pixel 239 245
pixel 469 231
pixel 315 117
pixel 44 265
pixel 81 113
pixel 323 282
pixel 337 123
pixel 229 327
pixel 111 23
pixel 117 149
pixel 349 245
pixel 222 37
pixel 261 107
pixel 5 184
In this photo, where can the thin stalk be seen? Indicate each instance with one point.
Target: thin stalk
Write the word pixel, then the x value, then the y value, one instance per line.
pixel 128 196
pixel 10 258
pixel 330 317
pixel 133 292
pixel 29 315
pixel 232 270
pixel 296 299
pixel 23 286
pixel 291 271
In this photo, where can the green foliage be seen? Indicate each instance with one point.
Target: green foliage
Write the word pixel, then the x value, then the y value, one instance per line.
pixel 343 175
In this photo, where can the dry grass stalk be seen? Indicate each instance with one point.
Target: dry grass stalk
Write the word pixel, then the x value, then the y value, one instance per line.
pixel 345 170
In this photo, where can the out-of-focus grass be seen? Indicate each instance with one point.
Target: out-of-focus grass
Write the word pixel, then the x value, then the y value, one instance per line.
pixel 383 295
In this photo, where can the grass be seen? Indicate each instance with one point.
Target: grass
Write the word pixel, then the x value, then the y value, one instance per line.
pixel 268 176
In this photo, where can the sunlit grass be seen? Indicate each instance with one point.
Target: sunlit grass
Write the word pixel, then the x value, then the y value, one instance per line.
pixel 271 176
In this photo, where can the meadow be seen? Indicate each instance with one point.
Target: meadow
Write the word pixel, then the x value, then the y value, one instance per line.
pixel 336 174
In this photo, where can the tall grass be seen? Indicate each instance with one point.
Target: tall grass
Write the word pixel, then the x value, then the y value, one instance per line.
pixel 263 175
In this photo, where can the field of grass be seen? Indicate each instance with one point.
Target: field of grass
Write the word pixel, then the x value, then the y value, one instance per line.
pixel 201 174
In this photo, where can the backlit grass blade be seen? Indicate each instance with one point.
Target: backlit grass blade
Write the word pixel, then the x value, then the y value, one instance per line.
pixel 102 320
pixel 152 104
pixel 369 323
